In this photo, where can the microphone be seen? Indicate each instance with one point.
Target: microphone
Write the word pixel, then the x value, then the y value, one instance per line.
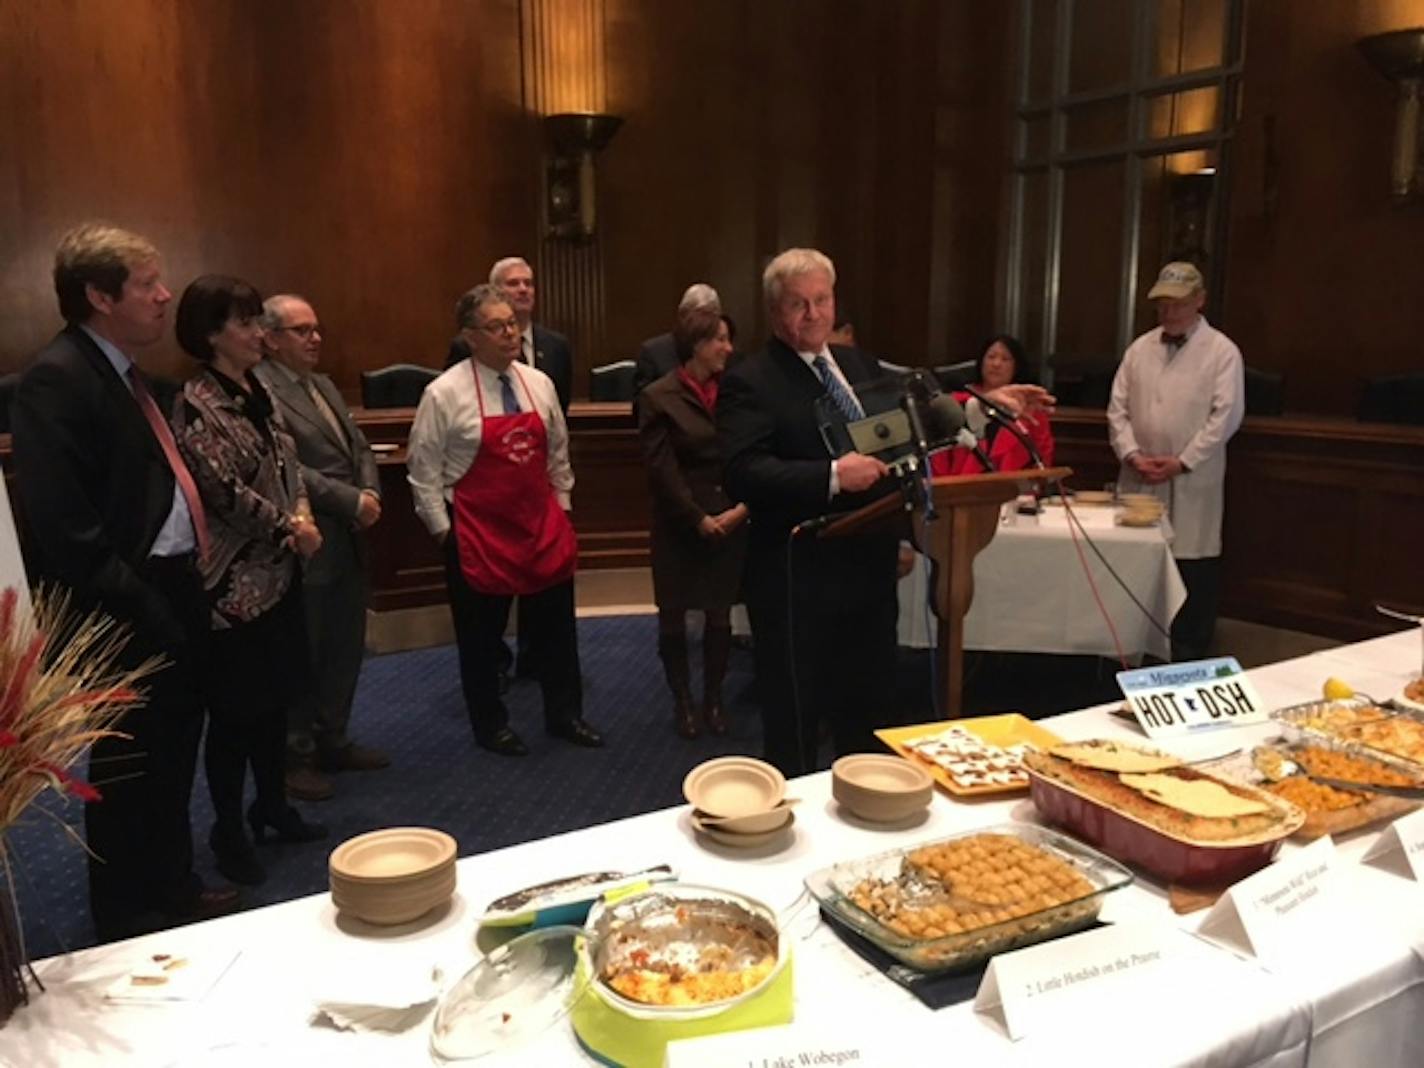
pixel 953 424
pixel 1008 421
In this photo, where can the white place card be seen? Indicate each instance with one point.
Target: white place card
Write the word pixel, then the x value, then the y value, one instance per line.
pixel 791 1046
pixel 12 567
pixel 1174 699
pixel 1400 847
pixel 1264 914
pixel 1048 983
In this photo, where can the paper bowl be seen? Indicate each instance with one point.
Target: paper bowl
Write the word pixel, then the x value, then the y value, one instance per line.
pixel 878 788
pixel 386 904
pixel 736 786
pixel 1093 497
pixel 1141 500
pixel 394 875
pixel 392 855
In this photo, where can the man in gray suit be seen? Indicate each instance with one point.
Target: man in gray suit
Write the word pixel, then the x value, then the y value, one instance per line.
pixel 341 480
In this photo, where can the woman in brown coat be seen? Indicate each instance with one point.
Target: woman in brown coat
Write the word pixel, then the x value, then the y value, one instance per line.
pixel 698 536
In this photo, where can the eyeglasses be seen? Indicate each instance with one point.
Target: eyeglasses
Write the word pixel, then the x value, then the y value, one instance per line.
pixel 495 327
pixel 303 330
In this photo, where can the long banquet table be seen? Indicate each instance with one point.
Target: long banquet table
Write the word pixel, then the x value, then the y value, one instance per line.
pixel 1353 996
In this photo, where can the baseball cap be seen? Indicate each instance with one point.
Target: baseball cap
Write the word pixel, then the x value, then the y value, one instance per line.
pixel 1177 279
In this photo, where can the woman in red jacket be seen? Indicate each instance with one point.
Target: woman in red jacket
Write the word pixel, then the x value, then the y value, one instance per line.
pixel 1002 362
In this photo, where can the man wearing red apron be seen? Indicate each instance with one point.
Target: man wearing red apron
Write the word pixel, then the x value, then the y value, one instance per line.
pixel 489 470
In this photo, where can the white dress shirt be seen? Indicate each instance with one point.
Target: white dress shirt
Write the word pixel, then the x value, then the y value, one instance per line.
pixel 445 437
pixel 176 535
pixel 1184 402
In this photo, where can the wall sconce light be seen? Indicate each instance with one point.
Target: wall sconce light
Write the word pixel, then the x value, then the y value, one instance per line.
pixel 569 187
pixel 1399 56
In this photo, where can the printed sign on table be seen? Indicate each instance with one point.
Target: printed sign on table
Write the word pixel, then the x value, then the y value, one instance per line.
pixel 1176 699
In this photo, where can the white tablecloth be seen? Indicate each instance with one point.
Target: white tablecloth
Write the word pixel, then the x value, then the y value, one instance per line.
pixel 1031 595
pixel 1354 999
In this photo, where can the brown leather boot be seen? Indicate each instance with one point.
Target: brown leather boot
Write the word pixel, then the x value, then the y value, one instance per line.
pixel 716 648
pixel 672 649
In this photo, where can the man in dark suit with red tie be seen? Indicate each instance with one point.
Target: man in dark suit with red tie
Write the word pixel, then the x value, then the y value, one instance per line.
pixel 113 516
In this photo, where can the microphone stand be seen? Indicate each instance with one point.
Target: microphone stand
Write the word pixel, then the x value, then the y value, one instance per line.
pixel 922 448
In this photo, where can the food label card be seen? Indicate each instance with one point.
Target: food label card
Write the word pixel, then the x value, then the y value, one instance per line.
pixel 1174 699
pixel 1400 847
pixel 1281 904
pixel 1029 988
pixel 790 1046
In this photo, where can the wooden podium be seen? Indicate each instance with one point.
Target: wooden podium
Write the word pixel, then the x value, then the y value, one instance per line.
pixel 966 517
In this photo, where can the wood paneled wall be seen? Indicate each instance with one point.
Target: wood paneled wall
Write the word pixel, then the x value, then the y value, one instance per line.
pixel 373 155
pixel 379 155
pixel 1325 275
pixel 876 132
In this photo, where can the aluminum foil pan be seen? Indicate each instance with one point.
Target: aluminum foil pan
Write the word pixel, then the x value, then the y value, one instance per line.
pixel 680 930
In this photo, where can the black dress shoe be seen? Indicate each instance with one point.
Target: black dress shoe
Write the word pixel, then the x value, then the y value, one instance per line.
pixel 288 826
pixel 236 859
pixel 207 904
pixel 504 742
pixel 579 732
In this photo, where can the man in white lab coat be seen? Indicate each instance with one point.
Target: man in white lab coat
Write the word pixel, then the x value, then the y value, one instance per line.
pixel 1178 396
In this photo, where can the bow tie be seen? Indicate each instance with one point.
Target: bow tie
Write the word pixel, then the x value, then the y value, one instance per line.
pixel 1175 340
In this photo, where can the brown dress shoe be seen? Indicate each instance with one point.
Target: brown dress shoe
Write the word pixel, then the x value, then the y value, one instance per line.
pixel 305 783
pixel 352 757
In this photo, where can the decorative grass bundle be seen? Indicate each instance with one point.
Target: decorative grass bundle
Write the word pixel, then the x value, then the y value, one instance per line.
pixel 62 688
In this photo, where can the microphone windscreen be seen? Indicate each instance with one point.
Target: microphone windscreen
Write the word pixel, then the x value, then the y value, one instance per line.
pixel 945 417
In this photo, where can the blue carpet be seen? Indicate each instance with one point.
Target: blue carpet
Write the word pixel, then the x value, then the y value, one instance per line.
pixel 410 705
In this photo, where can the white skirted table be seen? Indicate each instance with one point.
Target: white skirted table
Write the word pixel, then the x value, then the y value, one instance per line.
pixel 1031 594
pixel 1353 999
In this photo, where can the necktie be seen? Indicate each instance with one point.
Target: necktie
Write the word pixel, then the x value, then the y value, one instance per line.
pixel 841 397
pixel 324 408
pixel 506 395
pixel 184 477
pixel 526 350
pixel 1174 340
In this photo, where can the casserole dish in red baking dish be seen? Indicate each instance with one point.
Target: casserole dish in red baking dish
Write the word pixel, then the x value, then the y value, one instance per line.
pixel 1146 808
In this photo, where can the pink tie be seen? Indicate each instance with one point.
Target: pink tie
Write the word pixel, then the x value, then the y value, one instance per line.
pixel 164 434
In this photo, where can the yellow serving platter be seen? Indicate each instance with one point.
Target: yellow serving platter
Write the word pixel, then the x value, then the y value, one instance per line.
pixel 1010 728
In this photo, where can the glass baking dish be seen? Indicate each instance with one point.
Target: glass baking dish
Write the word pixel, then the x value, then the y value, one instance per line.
pixel 833 887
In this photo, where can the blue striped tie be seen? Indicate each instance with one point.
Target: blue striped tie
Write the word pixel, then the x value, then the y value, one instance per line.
pixel 841 397
pixel 506 395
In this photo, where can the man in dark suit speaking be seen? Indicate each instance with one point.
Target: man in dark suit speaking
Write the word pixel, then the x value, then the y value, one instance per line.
pixel 114 516
pixel 822 611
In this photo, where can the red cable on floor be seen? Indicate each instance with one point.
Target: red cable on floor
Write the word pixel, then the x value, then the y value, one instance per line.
pixel 1087 572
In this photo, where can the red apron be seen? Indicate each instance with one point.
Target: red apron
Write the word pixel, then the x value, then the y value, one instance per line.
pixel 511 534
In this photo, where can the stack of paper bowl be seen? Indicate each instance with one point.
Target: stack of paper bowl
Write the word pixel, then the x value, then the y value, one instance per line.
pixel 1141 510
pixel 737 800
pixel 394 875
pixel 880 788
